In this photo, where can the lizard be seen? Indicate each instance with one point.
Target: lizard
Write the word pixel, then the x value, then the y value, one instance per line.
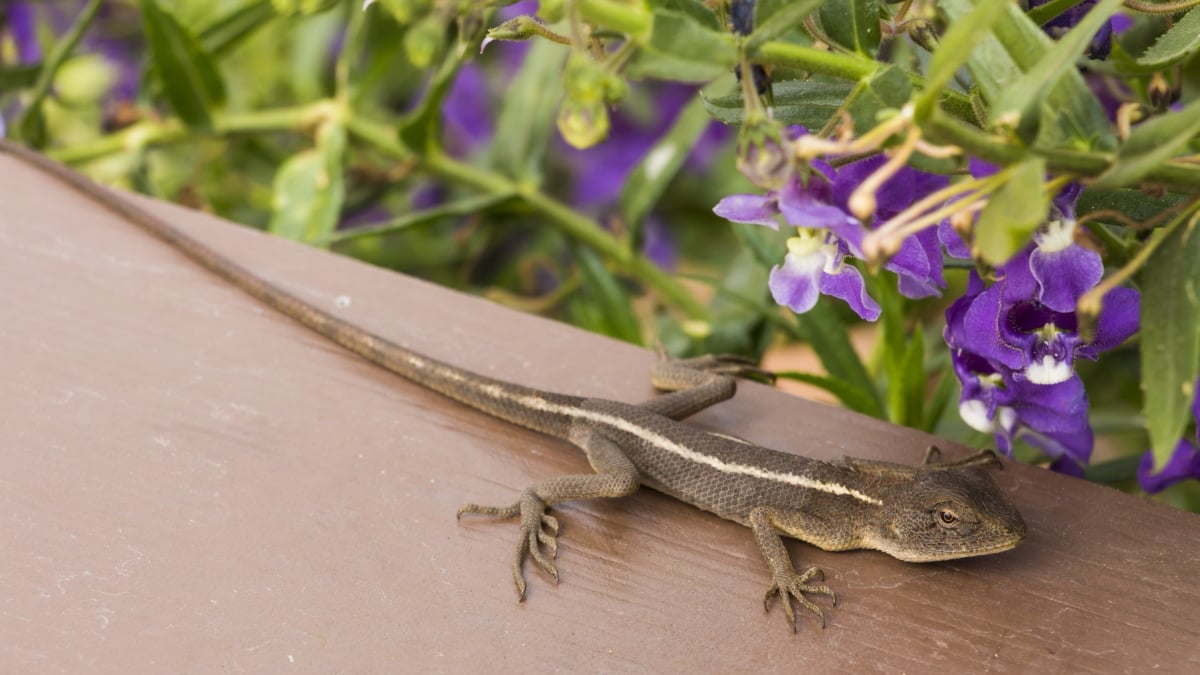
pixel 930 512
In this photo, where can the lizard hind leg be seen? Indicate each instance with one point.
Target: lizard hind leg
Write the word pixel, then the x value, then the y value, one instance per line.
pixel 697 383
pixel 616 476
pixel 538 529
pixel 986 457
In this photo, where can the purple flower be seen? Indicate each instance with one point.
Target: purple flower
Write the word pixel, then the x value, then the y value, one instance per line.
pixel 1183 464
pixel 602 170
pixel 1013 324
pixel 1101 42
pixel 658 244
pixel 815 265
pixel 1053 418
pixel 1014 343
pixel 467 123
pixel 816 204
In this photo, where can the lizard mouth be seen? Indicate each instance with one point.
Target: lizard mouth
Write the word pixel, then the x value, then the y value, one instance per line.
pixel 954 554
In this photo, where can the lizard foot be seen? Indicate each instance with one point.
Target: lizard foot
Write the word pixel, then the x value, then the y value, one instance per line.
pixel 988 457
pixel 789 585
pixel 538 530
pixel 722 364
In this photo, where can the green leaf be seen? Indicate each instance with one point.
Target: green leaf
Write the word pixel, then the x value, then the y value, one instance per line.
pixel 1024 96
pixel 461 208
pixel 1043 14
pixel 1012 214
pixel 1170 335
pixel 891 85
pixel 1152 143
pixel 608 308
pixel 767 28
pixel 852 397
pixel 695 10
pixel 913 382
pixel 853 24
pixel 742 315
pixel 234 27
pixel 1068 116
pixel 809 102
pixel 682 49
pixel 903 355
pixel 970 26
pixel 1134 204
pixel 661 163
pixel 310 189
pixel 939 400
pixel 526 118
pixel 826 333
pixel 888 89
pixel 421 128
pixel 189 77
pixel 1176 44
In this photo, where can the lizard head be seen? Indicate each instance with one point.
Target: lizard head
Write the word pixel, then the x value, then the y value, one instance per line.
pixel 947 513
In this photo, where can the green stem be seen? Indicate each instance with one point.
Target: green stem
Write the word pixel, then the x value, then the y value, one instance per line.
pixel 159 133
pixel 777 53
pixel 571 222
pixel 947 130
pixel 382 137
pixel 847 67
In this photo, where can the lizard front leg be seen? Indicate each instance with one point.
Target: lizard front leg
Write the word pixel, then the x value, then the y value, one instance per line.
pixel 767 522
pixel 616 476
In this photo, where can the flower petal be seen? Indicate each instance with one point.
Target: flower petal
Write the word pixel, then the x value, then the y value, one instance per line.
pixel 1016 279
pixel 984 330
pixel 1118 320
pixel 1054 417
pixel 752 209
pixel 1065 275
pixel 919 264
pixel 794 285
pixel 1183 464
pixel 955 246
pixel 802 209
pixel 847 284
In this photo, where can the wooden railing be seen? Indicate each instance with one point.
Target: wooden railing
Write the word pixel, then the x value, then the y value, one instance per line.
pixel 192 483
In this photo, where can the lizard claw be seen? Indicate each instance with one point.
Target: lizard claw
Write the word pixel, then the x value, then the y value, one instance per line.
pixel 538 530
pixel 789 586
pixel 724 364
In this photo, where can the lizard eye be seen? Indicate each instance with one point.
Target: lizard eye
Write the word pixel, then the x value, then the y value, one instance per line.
pixel 947 517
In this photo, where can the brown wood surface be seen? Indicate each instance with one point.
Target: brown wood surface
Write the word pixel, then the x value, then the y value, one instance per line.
pixel 191 483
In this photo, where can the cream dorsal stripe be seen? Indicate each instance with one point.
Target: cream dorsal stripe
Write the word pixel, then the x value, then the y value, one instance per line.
pixel 659 441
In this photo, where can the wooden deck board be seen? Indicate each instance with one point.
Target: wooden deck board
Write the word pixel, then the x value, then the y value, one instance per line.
pixel 190 482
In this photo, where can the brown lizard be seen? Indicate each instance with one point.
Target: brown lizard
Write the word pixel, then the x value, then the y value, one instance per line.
pixel 935 511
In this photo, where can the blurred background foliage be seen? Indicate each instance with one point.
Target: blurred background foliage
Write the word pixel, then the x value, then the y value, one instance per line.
pixel 386 134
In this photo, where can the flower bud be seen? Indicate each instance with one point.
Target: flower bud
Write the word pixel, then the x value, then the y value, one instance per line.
pixel 589 87
pixel 582 123
pixel 515 29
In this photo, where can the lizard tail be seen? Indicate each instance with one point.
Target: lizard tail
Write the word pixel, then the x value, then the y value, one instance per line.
pixel 524 406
